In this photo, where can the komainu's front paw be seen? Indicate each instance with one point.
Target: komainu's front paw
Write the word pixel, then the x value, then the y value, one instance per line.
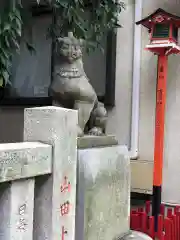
pixel 80 132
pixel 96 131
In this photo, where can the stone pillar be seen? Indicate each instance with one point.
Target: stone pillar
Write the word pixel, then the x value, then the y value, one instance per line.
pixel 55 196
pixel 16 210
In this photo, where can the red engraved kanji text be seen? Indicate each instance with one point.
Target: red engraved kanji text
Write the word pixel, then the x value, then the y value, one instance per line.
pixel 66 185
pixel 65 208
pixel 64 232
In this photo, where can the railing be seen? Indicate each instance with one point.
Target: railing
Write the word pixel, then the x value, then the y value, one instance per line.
pixel 20 164
pixel 168 222
pixel 38 178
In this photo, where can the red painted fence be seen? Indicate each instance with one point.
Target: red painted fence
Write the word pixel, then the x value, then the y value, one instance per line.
pixel 168 222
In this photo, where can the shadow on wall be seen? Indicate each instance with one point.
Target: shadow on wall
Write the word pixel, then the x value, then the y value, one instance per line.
pixel 11 124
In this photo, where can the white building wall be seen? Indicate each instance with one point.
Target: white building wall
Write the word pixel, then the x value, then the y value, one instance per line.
pixel 171 175
pixel 119 118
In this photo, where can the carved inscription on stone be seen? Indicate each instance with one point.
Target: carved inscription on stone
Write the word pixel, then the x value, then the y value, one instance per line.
pixel 65 206
pixel 18 164
pixel 22 223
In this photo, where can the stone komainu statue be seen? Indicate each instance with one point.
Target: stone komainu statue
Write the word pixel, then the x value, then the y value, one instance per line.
pixel 71 88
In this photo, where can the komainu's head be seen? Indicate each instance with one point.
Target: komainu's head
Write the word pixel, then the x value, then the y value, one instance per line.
pixel 70 48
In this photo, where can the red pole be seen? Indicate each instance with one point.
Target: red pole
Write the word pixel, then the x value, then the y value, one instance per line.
pixel 159 136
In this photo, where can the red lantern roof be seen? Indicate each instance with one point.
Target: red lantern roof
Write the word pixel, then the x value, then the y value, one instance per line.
pixel 159 16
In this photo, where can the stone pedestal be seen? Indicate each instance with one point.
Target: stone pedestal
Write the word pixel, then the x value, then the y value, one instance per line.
pixel 103 193
pixel 96 141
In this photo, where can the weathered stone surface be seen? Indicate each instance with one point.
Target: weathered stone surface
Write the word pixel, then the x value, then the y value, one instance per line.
pixel 103 201
pixel 134 235
pixel 23 160
pixel 16 210
pixel 71 88
pixel 89 141
pixel 58 127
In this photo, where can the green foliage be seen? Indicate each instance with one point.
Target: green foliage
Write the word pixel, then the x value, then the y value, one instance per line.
pixel 90 20
pixel 10 33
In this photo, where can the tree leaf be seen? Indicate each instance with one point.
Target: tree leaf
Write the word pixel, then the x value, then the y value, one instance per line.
pixel 1 82
pixel 6 27
pixel 103 16
pixel 62 3
pixel 30 48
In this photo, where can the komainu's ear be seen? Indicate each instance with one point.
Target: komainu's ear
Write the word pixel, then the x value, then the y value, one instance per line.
pixel 60 39
pixel 82 42
pixel 70 34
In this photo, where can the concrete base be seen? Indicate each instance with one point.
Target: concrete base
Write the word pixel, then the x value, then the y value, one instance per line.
pixel 103 193
pixel 133 235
